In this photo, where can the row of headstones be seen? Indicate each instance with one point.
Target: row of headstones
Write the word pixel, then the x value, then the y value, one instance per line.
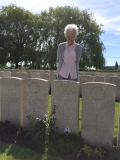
pixel 51 74
pixel 92 73
pixel 111 79
pixel 28 74
pixel 20 99
pixel 38 73
pixel 98 105
pixel 104 74
pixel 108 78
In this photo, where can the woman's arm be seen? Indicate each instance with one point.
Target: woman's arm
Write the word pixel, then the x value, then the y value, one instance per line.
pixel 58 52
pixel 80 51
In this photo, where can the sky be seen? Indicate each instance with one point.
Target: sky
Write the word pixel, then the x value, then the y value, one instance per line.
pixel 106 12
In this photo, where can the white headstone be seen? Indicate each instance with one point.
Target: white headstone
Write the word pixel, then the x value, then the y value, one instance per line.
pixel 52 77
pixel 79 76
pixel 93 78
pixel 6 74
pixel 35 98
pixel 1 73
pixel 35 75
pixel 118 74
pixel 23 75
pixel 40 71
pixel 11 100
pixel 29 73
pixel 93 74
pixel 65 96
pixel 15 74
pixel 84 79
pixel 85 73
pixel 102 74
pixel 46 76
pixel 46 71
pixel 116 81
pixel 98 105
pixel 107 76
pixel 99 78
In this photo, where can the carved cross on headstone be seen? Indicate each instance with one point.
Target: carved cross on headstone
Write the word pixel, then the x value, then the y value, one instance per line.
pixel 97 122
pixel 10 98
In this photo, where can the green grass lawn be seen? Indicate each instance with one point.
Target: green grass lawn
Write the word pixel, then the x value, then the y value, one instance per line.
pixel 116 118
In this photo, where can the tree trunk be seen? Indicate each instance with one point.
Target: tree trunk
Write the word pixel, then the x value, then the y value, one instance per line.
pixel 16 64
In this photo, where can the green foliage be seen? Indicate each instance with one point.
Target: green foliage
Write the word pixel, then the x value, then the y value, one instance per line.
pixel 91 153
pixel 36 130
pixel 64 144
pixel 7 129
pixel 40 130
pixel 114 153
pixel 2 65
pixel 110 71
pixel 18 35
pixel 116 65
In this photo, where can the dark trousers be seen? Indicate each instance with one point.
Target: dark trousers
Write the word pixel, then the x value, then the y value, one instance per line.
pixel 69 78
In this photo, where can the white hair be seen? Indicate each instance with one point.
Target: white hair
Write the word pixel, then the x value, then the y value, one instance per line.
pixel 71 28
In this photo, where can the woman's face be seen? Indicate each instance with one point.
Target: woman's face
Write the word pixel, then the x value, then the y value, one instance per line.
pixel 70 37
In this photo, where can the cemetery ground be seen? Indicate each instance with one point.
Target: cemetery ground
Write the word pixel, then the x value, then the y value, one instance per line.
pixel 16 144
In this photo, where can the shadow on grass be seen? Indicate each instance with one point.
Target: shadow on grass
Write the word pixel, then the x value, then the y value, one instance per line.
pixel 17 152
pixel 13 152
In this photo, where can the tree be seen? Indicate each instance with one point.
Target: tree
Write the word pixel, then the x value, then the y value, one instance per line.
pixel 116 65
pixel 19 34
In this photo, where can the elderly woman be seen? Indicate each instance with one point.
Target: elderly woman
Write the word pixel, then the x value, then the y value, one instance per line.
pixel 68 55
